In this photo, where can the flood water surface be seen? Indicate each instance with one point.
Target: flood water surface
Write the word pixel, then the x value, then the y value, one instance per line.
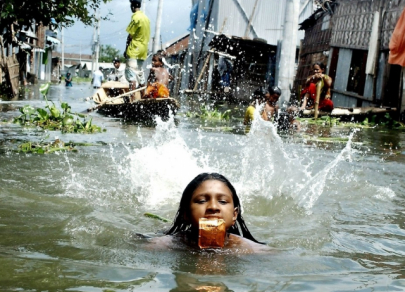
pixel 332 213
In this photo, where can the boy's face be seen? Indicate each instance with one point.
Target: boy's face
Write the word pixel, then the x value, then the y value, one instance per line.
pixel 212 199
pixel 274 97
pixel 117 65
pixel 156 62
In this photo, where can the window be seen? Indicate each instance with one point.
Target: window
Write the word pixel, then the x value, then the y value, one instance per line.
pixel 357 73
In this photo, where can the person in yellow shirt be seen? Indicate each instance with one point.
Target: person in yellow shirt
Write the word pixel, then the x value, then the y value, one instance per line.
pixel 259 97
pixel 137 45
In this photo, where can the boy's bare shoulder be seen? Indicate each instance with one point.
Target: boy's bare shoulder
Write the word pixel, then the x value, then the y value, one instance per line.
pixel 244 245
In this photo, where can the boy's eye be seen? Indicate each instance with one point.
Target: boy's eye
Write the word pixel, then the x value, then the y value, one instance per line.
pixel 223 202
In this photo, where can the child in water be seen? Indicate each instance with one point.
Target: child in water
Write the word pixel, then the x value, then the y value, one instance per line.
pixel 210 195
pixel 68 80
pixel 158 79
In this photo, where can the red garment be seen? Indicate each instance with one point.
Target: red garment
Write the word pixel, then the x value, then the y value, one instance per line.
pixel 397 43
pixel 324 104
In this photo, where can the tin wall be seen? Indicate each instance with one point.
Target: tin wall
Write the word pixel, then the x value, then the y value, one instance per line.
pixel 267 22
pixel 354 19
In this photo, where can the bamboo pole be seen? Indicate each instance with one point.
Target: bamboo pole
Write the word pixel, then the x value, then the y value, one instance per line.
pixel 317 98
pixel 207 60
pixel 250 20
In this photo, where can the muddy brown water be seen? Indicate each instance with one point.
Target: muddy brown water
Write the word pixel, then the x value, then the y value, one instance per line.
pixel 332 212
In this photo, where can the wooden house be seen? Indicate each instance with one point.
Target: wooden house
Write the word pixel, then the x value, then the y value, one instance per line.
pixel 353 41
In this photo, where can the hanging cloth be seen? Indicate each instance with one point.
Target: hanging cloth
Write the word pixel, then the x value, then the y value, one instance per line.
pixel 397 43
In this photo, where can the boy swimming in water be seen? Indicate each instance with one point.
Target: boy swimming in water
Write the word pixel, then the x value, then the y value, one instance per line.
pixel 158 79
pixel 211 196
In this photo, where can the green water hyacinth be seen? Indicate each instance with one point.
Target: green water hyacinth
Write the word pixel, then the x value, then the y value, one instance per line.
pixel 54 119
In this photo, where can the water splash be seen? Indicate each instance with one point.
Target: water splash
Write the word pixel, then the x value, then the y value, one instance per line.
pixel 314 187
pixel 161 169
pixel 267 168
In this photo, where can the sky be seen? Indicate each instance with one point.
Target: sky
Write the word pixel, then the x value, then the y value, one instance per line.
pixel 175 21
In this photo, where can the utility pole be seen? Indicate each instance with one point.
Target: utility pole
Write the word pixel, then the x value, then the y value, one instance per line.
pixel 156 40
pixel 98 40
pixel 96 44
pixel 288 50
pixel 63 50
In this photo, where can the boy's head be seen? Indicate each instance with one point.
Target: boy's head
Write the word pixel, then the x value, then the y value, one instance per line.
pixel 274 94
pixel 259 94
pixel 135 4
pixel 217 189
pixel 116 63
pixel 157 60
pixel 188 198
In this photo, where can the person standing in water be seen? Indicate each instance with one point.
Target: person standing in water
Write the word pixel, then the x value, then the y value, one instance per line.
pixel 271 107
pixel 68 80
pixel 259 97
pixel 98 78
pixel 210 195
pixel 137 46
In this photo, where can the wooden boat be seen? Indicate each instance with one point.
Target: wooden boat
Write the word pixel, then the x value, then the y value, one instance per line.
pixel 115 99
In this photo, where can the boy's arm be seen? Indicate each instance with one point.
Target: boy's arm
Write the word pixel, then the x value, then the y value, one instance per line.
pixel 151 77
pixel 129 39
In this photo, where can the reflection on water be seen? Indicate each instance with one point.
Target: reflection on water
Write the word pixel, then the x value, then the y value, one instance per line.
pixel 333 213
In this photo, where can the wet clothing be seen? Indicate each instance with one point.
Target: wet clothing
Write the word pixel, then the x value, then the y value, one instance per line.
pixel 249 115
pixel 134 71
pixel 156 90
pixel 139 29
pixel 68 81
pixel 324 104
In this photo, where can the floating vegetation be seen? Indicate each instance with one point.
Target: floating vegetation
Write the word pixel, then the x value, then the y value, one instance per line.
pixel 44 88
pixel 331 140
pixel 321 121
pixel 206 113
pixel 44 148
pixel 368 122
pixel 53 119
pixel 50 147
pixel 154 216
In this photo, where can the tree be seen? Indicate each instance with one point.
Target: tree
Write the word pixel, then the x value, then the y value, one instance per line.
pixel 29 12
pixel 108 53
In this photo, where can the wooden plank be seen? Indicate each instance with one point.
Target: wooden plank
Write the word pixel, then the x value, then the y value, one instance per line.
pixel 13 72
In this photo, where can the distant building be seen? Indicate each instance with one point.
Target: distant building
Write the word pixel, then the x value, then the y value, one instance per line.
pixel 176 51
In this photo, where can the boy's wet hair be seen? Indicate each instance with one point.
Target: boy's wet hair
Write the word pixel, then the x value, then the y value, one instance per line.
pixel 159 56
pixel 275 90
pixel 136 3
pixel 179 223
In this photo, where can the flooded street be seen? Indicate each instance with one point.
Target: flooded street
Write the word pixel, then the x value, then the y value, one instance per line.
pixel 333 212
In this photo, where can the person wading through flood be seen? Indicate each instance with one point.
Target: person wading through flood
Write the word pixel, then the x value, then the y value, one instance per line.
pixel 137 46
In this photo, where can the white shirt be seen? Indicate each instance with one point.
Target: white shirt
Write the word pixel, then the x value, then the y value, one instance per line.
pixel 97 78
